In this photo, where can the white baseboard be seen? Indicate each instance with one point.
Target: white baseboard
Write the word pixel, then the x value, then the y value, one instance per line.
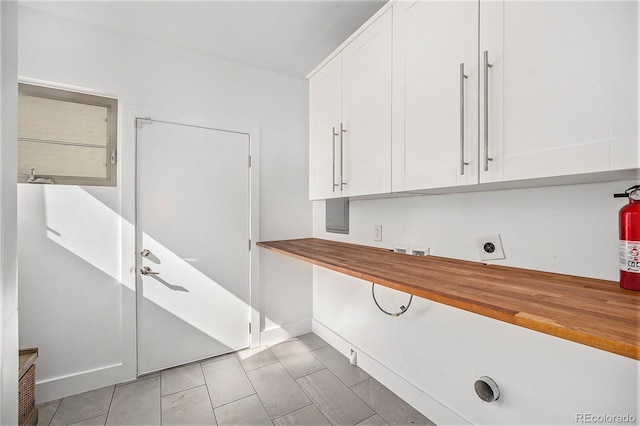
pixel 417 398
pixel 60 387
pixel 278 334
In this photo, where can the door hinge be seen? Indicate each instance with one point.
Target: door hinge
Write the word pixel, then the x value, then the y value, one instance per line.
pixel 249 328
pixel 249 244
pixel 249 161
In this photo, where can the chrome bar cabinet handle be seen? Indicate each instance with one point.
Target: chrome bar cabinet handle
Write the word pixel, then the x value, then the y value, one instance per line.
pixel 462 77
pixel 342 132
pixel 487 65
pixel 333 136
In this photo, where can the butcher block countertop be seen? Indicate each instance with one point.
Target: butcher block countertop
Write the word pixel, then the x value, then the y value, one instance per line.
pixel 593 312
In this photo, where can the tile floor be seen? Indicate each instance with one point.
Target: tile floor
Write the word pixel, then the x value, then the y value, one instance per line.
pixel 302 381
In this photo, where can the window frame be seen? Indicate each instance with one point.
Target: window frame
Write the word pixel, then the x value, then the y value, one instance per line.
pixel 111 103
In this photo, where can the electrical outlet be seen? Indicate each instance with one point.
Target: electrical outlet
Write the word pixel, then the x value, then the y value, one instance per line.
pixel 490 247
pixel 419 251
pixel 377 233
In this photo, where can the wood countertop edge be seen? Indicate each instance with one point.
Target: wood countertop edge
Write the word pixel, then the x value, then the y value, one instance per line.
pixel 591 340
pixel 506 315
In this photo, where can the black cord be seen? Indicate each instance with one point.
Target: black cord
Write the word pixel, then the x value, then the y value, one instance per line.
pixel 403 309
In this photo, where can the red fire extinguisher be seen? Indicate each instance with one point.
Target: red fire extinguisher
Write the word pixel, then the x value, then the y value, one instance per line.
pixel 629 217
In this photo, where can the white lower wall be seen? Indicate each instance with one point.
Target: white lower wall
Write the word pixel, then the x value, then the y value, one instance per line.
pixel 432 355
pixel 75 243
pixel 73 299
pixel 286 300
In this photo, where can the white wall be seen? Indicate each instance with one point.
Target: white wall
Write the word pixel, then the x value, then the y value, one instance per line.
pixel 8 218
pixel 571 229
pixel 433 354
pixel 76 302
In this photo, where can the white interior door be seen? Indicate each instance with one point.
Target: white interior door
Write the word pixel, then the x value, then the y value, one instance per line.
pixel 193 227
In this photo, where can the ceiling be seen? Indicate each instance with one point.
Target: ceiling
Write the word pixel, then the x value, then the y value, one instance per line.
pixel 288 37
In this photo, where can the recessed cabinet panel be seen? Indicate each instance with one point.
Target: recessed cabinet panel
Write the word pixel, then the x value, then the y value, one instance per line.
pixel 553 88
pixel 436 94
pixel 325 103
pixel 624 52
pixel 367 110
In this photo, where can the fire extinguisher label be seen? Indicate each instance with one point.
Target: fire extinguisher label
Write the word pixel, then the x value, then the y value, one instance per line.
pixel 630 256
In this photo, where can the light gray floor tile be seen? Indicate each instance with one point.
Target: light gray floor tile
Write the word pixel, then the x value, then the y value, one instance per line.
pixel 226 381
pixel 388 405
pixel 373 421
pixel 96 421
pixel 339 365
pixel 83 406
pixel 336 401
pixel 247 411
pixel 277 390
pixel 256 358
pixel 181 378
pixel 229 396
pixel 46 411
pixel 189 407
pixel 139 379
pixel 218 358
pixel 137 403
pixel 290 339
pixel 295 357
pixel 309 415
pixel 312 342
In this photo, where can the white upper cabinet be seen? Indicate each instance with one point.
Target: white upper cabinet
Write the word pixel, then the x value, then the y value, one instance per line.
pixel 325 116
pixel 435 108
pixel 366 110
pixel 562 88
pixel 556 96
pixel 350 117
pixel 439 94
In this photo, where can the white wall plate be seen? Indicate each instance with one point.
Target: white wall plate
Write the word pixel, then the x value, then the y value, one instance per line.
pixel 490 247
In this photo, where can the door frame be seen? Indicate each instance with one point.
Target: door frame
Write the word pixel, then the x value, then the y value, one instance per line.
pixel 130 114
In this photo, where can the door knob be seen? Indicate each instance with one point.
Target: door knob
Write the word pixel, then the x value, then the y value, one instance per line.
pixel 145 270
pixel 145 252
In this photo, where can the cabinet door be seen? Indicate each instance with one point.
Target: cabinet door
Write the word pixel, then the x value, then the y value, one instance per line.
pixel 366 111
pixel 435 136
pixel 325 97
pixel 562 90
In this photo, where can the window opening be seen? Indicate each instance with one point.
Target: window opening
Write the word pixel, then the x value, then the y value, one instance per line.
pixel 66 137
